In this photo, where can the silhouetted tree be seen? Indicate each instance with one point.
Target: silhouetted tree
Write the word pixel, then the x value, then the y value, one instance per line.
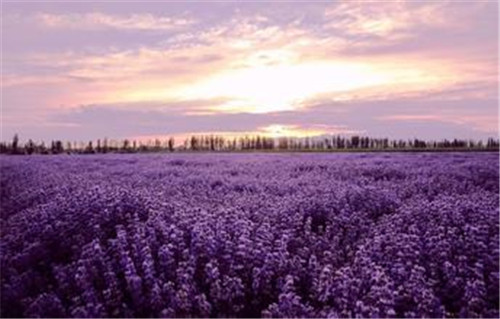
pixel 157 146
pixel 105 145
pixel 194 143
pixel 15 144
pixel 355 141
pixel 68 148
pixel 90 148
pixel 247 143
pixel 3 148
pixel 125 145
pixel 171 144
pixel 30 147
pixel 56 147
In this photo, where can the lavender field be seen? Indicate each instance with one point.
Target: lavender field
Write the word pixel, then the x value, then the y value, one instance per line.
pixel 250 235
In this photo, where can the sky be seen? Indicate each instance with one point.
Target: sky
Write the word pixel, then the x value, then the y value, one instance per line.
pixel 82 70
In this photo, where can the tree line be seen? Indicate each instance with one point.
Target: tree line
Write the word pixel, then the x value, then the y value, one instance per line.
pixel 217 143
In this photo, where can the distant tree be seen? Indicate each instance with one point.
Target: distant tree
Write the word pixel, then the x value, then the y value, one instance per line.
pixel 246 142
pixel 105 145
pixel 98 148
pixel 194 143
pixel 212 142
pixel 491 143
pixel 171 144
pixel 385 143
pixel 200 145
pixel 340 142
pixel 366 142
pixel 90 148
pixel 56 147
pixel 143 147
pixel 59 147
pixel 307 143
pixel 206 142
pixel 3 148
pixel 43 148
pixel 355 141
pixel 15 144
pixel 68 147
pixel 320 145
pixel 220 142
pixel 30 147
pixel 299 144
pixel 419 143
pixel 126 145
pixel 241 143
pixel 283 143
pixel 249 142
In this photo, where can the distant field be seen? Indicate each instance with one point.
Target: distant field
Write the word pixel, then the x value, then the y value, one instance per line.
pixel 250 235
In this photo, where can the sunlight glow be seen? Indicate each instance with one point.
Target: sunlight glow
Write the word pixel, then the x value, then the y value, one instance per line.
pixel 277 130
pixel 262 89
pixel 284 87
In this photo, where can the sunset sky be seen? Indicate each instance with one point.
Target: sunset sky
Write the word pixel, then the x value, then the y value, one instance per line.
pixel 86 70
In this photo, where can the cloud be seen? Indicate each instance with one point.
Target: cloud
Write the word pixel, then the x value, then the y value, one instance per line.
pixel 394 118
pixel 390 20
pixel 241 59
pixel 483 123
pixel 294 67
pixel 431 29
pixel 99 21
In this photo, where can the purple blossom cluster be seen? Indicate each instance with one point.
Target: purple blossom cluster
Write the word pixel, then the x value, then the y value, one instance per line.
pixel 250 235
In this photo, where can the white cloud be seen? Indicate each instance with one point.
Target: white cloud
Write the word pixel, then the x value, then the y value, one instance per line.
pixel 98 21
pixel 390 20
